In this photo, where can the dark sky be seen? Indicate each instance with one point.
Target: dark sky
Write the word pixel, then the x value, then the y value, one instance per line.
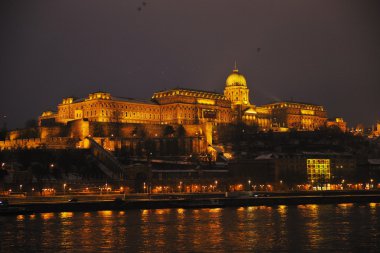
pixel 323 52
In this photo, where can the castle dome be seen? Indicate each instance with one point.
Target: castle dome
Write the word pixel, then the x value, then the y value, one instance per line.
pixel 236 79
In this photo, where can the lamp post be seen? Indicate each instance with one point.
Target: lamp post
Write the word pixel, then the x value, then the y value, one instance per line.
pixel 20 187
pixel 144 186
pixel 64 189
pixel 249 185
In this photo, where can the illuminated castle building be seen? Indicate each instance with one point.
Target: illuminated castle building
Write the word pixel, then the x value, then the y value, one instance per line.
pixel 189 107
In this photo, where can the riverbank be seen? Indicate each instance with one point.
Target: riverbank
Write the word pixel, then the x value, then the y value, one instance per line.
pixel 209 200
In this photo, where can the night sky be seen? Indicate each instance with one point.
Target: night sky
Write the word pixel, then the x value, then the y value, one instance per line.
pixel 322 52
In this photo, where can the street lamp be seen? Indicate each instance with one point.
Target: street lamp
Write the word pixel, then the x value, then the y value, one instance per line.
pixel 20 187
pixel 249 184
pixel 144 187
pixel 64 189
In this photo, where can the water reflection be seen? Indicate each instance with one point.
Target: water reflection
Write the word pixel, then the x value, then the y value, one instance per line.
pixel 247 229
pixel 66 215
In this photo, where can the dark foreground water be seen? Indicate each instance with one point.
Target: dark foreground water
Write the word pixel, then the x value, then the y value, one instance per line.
pixel 314 228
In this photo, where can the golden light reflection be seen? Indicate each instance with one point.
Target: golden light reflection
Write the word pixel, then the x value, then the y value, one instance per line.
pixel 345 205
pixel 240 209
pixel 32 216
pixel 66 215
pixel 87 214
pixel 47 216
pixel 251 208
pixel 373 205
pixel 301 207
pixel 20 217
pixel 162 211
pixel 215 210
pixel 180 210
pixel 106 213
pixel 121 213
pixel 282 209
pixel 312 207
pixel 312 224
pixel 264 208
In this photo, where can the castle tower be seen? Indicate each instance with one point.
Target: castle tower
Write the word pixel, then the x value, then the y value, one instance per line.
pixel 236 88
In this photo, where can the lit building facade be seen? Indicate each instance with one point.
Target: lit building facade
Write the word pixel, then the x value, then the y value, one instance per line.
pixel 188 107
pixel 295 115
pixel 318 170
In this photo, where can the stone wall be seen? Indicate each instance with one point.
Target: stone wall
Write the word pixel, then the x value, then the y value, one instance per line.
pixel 50 143
pixel 129 130
pixel 137 138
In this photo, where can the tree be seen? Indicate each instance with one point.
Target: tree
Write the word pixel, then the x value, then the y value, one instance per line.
pixel 39 171
pixel 181 132
pixel 3 174
pixel 31 130
pixel 98 129
pixel 168 130
pixel 139 131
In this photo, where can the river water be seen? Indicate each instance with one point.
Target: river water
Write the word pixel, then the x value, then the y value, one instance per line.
pixel 302 228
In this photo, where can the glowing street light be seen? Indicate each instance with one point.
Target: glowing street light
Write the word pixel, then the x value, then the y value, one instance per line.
pixel 64 189
pixel 249 184
pixel 20 187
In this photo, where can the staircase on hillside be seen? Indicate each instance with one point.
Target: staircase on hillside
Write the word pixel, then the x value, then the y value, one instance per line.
pixel 107 162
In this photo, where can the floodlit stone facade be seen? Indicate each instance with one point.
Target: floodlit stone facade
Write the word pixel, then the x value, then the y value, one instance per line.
pixel 189 107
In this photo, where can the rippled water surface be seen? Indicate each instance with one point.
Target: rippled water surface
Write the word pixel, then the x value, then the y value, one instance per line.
pixel 310 228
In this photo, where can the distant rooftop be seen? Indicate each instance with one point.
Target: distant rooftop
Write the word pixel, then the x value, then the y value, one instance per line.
pixel 193 90
pixel 290 102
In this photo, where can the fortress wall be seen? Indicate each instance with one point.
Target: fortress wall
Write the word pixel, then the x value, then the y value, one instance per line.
pixel 126 130
pixel 126 134
pixel 52 131
pixel 17 134
pixel 78 129
pixel 53 142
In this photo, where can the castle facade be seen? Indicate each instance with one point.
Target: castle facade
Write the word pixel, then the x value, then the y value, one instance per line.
pixel 190 107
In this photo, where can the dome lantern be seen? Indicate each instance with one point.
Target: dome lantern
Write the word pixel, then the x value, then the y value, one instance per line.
pixel 236 78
